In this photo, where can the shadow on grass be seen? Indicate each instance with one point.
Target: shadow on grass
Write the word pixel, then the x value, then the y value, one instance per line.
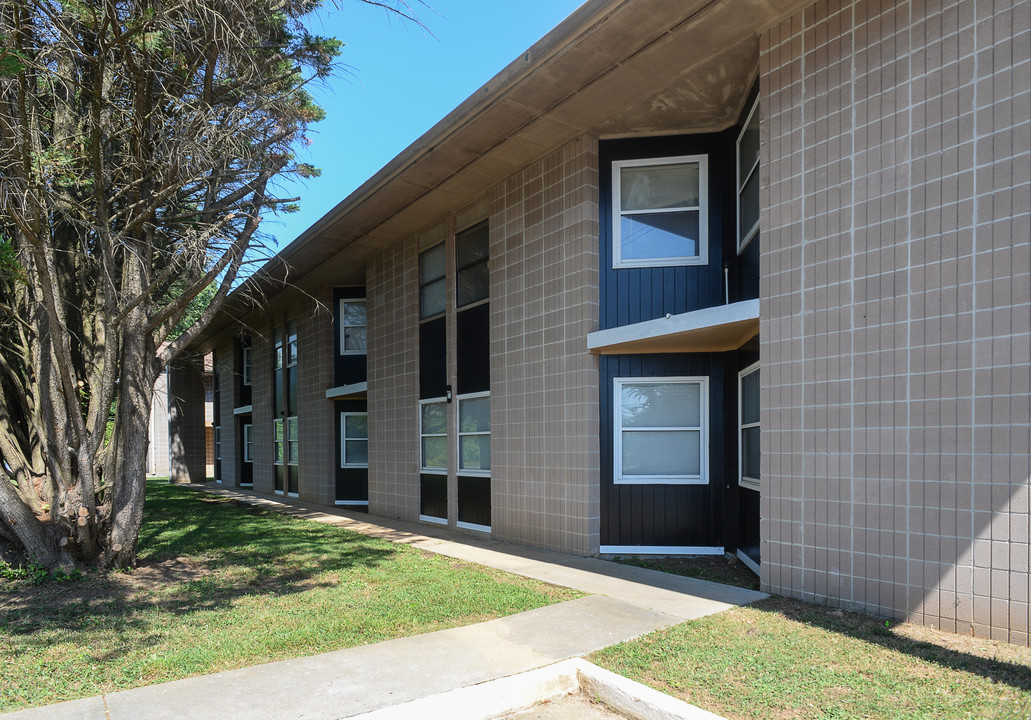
pixel 876 631
pixel 197 553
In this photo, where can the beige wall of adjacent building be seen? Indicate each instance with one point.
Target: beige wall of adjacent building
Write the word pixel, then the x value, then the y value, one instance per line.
pixel 896 286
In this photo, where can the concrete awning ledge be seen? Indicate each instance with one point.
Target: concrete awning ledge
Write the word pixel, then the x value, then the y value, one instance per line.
pixel 348 391
pixel 717 329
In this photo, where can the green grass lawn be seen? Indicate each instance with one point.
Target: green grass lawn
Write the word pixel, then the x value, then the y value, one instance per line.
pixel 786 659
pixel 222 586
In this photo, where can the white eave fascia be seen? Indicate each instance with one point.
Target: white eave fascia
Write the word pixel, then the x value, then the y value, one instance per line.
pixel 343 391
pixel 715 329
pixel 243 410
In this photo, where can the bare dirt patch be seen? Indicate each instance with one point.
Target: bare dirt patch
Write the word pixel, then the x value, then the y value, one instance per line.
pixel 724 569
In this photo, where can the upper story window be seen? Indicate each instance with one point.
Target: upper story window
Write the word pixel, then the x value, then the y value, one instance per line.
pixel 471 263
pixel 748 179
pixel 353 327
pixel 245 364
pixel 432 283
pixel 660 212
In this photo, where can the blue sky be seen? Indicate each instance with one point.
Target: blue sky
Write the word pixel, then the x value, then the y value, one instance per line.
pixel 398 80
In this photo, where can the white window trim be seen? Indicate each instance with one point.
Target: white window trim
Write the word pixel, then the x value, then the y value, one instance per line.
pixel 433 519
pixel 660 550
pixel 344 439
pixel 343 327
pixel 246 368
pixel 473 526
pixel 424 468
pixel 248 456
pixel 617 433
pixel 459 435
pixel 703 213
pixel 744 238
pixel 747 482
pixel 218 442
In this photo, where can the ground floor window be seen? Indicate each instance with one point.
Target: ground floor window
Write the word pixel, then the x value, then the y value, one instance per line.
pixel 474 504
pixel 661 430
pixel 433 457
pixel 354 439
pixel 247 456
pixel 279 454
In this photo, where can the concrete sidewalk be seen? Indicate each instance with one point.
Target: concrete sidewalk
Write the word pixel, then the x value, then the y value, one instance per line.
pixel 624 602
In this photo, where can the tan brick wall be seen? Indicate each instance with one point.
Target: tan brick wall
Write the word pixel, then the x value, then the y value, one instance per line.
pixel 186 427
pixel 262 450
pixel 225 365
pixel 895 280
pixel 318 459
pixel 544 383
pixel 392 292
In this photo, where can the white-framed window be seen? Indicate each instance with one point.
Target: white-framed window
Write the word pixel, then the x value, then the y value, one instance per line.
pixel 474 434
pixel 247 447
pixel 433 434
pixel 749 445
pixel 218 442
pixel 354 439
pixel 748 179
pixel 245 363
pixel 660 212
pixel 278 442
pixel 661 430
pixel 353 327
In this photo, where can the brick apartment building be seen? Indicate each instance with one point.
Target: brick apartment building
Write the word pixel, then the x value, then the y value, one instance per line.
pixel 565 316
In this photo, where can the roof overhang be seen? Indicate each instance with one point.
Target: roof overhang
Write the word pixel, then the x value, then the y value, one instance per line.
pixel 613 68
pixel 716 329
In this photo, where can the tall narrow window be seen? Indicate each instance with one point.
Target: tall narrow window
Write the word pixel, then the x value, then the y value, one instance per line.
pixel 660 212
pixel 660 430
pixel 285 425
pixel 354 439
pixel 471 264
pixel 292 434
pixel 432 283
pixel 749 425
pixel 353 325
pixel 748 179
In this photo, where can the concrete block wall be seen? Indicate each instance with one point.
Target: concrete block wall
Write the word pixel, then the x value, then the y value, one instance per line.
pixel 157 450
pixel 392 291
pixel 317 447
pixel 895 310
pixel 226 365
pixel 186 427
pixel 544 383
pixel 262 449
